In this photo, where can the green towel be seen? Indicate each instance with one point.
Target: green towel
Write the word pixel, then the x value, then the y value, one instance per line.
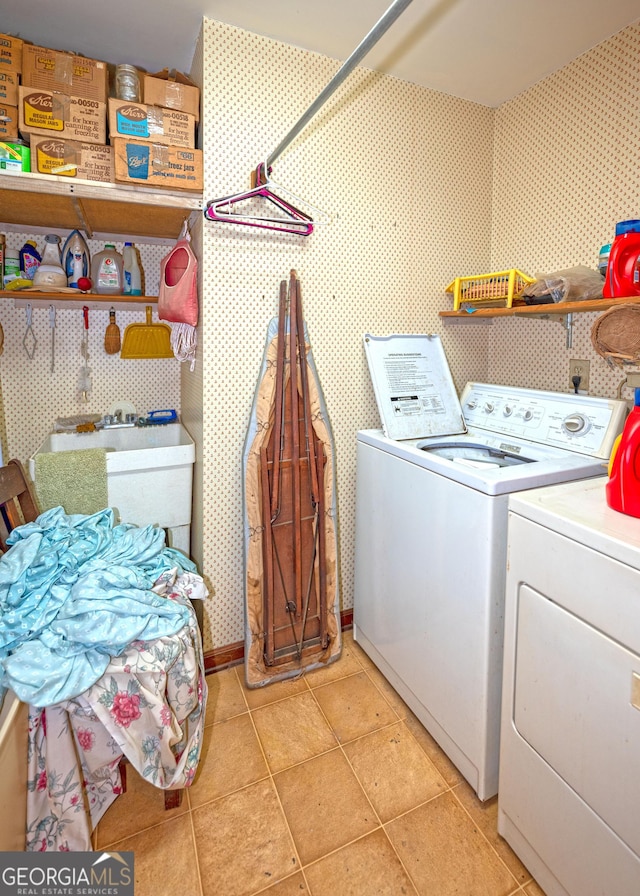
pixel 75 480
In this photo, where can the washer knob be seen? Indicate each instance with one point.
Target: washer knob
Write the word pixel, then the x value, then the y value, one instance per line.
pixel 528 414
pixel 575 424
pixel 489 407
pixel 507 410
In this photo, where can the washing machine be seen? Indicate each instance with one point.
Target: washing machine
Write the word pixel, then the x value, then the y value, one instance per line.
pixel 430 551
pixel 569 800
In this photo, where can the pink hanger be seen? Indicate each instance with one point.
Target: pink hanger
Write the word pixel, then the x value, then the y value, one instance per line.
pixel 292 221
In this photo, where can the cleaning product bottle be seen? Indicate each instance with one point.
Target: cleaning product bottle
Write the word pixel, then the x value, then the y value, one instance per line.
pixel 50 273
pixel 625 251
pixel 132 273
pixel 75 258
pixel 106 271
pixel 623 488
pixel 11 266
pixel 30 259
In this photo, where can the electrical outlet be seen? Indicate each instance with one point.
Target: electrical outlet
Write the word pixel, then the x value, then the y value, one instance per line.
pixel 581 369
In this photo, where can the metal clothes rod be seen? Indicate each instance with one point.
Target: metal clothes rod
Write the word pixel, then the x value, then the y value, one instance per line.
pixel 394 11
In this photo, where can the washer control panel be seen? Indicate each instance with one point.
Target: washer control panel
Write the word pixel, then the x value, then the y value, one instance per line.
pixel 580 423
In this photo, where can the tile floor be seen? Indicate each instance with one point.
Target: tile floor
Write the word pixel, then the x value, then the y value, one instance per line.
pixel 322 786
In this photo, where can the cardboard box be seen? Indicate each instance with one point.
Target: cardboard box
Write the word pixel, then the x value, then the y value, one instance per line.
pixel 64 73
pixel 14 158
pixel 171 90
pixel 8 122
pixel 156 165
pixel 141 122
pixel 46 113
pixel 69 158
pixel 9 87
pixel 11 54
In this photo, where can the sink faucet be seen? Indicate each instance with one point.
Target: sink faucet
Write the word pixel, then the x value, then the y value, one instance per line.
pixel 110 421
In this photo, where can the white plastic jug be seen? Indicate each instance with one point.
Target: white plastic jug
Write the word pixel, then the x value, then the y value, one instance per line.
pixel 106 271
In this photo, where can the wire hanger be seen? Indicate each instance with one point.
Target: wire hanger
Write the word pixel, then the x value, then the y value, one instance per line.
pixel 289 220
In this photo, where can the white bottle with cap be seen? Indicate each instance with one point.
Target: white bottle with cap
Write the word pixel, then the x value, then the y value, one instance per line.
pixel 132 272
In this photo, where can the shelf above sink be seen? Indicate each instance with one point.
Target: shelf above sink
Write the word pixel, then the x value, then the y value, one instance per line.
pixel 21 297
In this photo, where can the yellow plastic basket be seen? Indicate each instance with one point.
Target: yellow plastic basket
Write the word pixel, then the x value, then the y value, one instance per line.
pixel 500 286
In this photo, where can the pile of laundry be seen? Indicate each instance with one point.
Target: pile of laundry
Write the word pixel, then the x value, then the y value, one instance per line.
pixel 75 590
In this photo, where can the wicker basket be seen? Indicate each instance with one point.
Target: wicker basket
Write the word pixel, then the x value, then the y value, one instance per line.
pixel 498 287
pixel 615 335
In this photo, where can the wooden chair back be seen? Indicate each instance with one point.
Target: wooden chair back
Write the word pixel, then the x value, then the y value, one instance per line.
pixel 18 503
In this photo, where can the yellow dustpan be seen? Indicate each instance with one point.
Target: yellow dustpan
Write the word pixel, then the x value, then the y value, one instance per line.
pixel 147 340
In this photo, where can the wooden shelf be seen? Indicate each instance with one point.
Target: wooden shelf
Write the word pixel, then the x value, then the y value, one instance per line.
pixel 62 204
pixel 83 297
pixel 552 309
pixel 22 297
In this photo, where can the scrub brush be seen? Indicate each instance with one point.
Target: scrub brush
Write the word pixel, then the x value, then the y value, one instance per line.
pixel 112 335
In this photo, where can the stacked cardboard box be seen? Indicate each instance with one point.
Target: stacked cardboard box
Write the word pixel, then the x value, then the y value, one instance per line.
pixel 154 141
pixel 71 158
pixel 44 113
pixel 10 53
pixel 171 90
pixel 170 127
pixel 10 68
pixel 62 94
pixel 64 73
pixel 146 163
pixel 8 121
pixel 59 104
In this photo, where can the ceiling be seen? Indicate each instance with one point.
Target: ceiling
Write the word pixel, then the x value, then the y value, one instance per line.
pixel 486 51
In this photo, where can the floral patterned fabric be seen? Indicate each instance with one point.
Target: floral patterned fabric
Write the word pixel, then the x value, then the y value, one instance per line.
pixel 149 706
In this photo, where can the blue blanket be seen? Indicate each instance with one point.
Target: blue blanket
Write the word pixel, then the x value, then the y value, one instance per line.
pixel 74 591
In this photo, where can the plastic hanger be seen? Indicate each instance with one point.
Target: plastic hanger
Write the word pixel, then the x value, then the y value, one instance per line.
pixel 291 219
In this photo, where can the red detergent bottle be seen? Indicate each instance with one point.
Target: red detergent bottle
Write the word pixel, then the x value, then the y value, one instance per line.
pixel 623 487
pixel 620 280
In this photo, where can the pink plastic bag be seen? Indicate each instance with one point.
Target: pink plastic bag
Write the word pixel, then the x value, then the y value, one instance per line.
pixel 178 293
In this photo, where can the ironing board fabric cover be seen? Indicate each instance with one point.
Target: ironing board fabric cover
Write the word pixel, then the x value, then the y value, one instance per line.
pixel 149 705
pixel 74 591
pixel 256 673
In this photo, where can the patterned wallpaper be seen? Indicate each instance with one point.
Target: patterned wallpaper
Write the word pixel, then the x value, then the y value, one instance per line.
pixel 566 169
pixel 410 205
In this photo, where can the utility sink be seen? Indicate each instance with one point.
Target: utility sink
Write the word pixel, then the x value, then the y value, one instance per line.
pixel 149 473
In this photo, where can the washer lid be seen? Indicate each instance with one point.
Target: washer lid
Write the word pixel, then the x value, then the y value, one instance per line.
pixel 413 386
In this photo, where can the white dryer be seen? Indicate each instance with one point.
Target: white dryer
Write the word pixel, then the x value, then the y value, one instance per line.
pixel 430 551
pixel 569 800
